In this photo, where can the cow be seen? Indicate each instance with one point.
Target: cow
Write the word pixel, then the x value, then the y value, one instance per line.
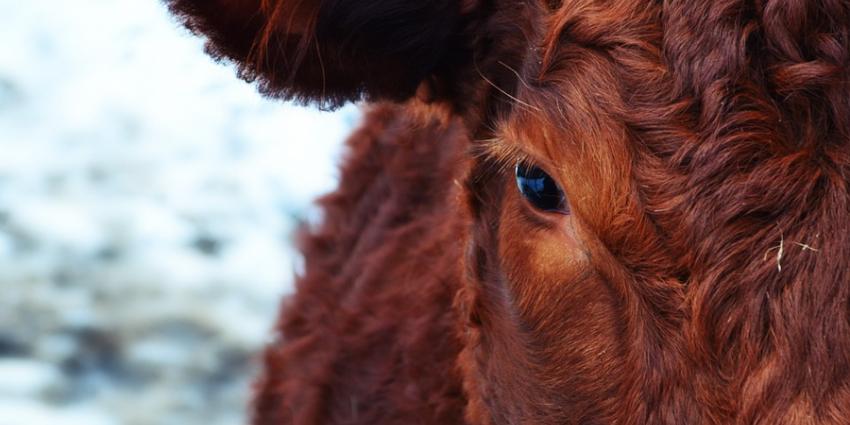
pixel 563 211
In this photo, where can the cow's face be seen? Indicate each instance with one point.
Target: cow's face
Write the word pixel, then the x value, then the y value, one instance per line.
pixel 651 215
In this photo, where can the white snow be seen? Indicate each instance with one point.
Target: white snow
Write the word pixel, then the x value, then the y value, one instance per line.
pixel 147 200
pixel 26 378
pixel 26 412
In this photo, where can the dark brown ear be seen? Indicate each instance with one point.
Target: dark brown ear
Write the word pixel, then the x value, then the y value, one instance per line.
pixel 329 52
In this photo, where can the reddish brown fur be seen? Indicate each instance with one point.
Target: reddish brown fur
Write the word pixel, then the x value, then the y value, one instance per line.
pixel 702 276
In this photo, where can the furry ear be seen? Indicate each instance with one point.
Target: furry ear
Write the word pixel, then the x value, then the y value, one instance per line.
pixel 331 51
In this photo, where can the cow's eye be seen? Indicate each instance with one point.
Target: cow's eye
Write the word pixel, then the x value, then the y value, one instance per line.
pixel 540 189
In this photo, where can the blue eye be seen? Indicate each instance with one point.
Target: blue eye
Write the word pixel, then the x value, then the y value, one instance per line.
pixel 540 189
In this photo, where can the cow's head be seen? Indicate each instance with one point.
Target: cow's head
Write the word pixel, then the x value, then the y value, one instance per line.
pixel 658 190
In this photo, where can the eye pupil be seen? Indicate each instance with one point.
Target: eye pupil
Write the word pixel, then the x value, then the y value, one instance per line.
pixel 540 189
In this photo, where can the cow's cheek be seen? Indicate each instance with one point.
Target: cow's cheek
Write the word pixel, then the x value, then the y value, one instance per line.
pixel 568 311
pixel 540 254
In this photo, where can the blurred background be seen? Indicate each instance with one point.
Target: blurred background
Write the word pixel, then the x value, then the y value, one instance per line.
pixel 147 202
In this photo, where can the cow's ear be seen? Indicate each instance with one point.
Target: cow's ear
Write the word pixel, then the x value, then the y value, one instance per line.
pixel 328 52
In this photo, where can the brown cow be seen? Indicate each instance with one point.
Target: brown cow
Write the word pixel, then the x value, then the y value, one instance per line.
pixel 564 212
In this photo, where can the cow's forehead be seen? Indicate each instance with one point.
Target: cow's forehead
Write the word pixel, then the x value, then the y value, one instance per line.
pixel 569 91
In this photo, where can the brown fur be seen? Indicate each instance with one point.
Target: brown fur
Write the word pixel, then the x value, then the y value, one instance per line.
pixel 701 277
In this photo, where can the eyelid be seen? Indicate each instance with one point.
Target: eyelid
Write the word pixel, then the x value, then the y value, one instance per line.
pixel 510 154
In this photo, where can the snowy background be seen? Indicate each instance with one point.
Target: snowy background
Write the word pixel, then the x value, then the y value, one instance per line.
pixel 147 198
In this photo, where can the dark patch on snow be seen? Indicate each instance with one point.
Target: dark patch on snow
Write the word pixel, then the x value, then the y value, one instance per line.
pixel 13 346
pixel 98 352
pixel 208 245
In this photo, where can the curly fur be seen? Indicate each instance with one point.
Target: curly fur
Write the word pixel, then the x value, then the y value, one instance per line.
pixel 703 276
